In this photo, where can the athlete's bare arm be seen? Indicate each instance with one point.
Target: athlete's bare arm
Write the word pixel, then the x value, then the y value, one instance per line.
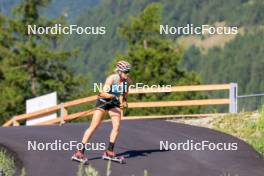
pixel 107 86
pixel 124 96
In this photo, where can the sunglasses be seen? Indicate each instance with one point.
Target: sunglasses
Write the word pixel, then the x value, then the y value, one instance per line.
pixel 126 72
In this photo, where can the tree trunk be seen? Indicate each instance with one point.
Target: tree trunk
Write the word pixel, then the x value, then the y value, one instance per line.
pixel 145 44
pixel 32 75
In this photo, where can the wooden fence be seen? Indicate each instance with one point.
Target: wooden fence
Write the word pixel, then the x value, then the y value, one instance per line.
pixel 64 116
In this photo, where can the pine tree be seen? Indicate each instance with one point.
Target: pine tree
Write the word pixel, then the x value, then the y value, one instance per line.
pixel 155 60
pixel 32 65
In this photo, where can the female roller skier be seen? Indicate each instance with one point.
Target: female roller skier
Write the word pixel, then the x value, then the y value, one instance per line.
pixel 111 99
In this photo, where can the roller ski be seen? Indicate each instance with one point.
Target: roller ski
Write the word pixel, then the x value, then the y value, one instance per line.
pixel 79 157
pixel 110 155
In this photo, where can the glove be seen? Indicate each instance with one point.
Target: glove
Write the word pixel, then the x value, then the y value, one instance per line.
pixel 123 105
pixel 99 96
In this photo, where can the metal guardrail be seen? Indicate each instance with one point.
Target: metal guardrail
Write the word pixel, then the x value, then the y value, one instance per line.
pixel 251 95
pixel 250 102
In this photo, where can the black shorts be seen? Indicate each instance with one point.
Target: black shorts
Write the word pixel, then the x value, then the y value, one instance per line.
pixel 107 104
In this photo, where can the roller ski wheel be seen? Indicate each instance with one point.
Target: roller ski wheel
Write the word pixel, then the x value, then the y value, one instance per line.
pixel 80 158
pixel 108 155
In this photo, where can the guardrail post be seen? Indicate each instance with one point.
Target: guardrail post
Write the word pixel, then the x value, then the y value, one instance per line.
pixel 62 113
pixel 233 98
pixel 14 121
pixel 122 109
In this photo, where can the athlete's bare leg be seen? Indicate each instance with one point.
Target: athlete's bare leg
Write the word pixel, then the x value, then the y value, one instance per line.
pixel 96 120
pixel 115 115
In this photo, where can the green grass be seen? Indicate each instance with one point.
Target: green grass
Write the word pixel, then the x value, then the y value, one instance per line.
pixel 7 164
pixel 23 172
pixel 248 126
pixel 90 171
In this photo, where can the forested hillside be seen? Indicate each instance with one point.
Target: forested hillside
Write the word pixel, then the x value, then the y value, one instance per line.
pixel 240 60
pixel 169 59
pixel 56 7
pixel 96 52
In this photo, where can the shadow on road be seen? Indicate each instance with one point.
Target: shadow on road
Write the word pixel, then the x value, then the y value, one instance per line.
pixel 135 153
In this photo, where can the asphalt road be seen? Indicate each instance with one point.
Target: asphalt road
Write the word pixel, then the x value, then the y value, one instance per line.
pixel 139 142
